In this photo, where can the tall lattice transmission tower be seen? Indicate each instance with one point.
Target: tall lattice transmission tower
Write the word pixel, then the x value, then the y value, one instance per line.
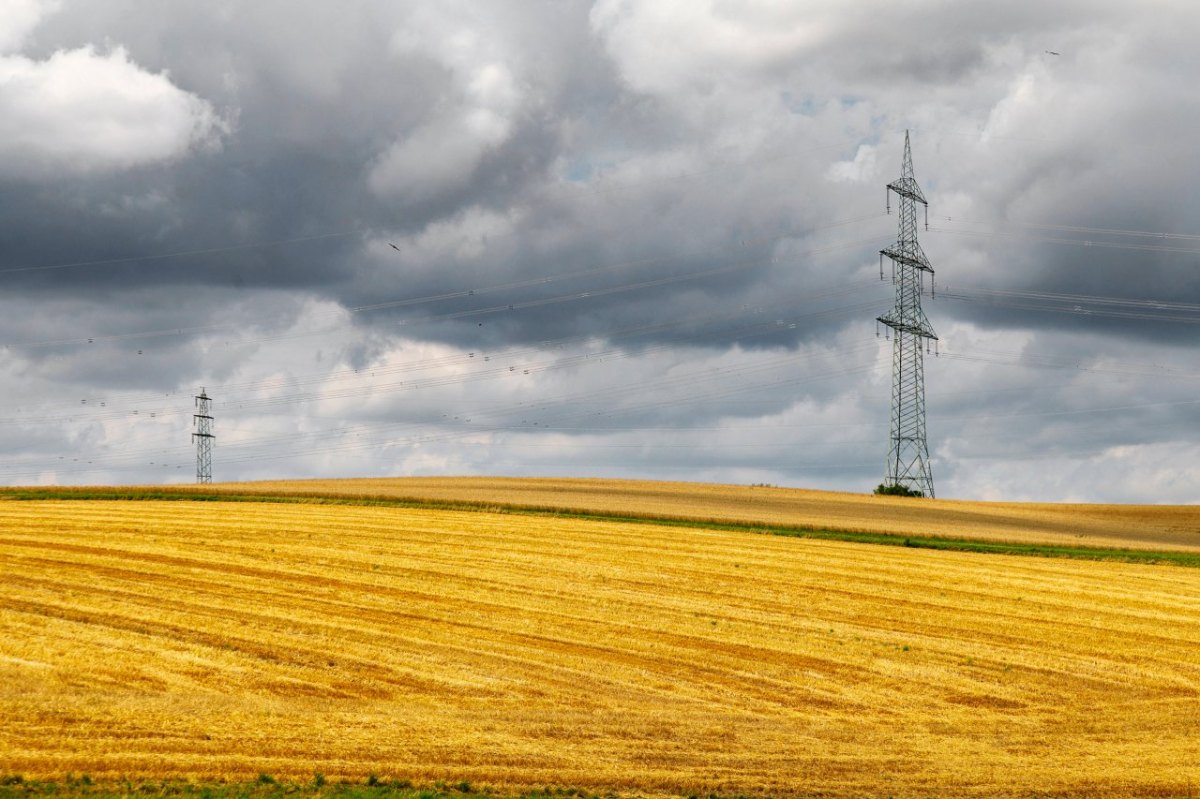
pixel 908 454
pixel 203 436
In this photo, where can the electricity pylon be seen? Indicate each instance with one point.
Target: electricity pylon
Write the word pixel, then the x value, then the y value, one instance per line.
pixel 908 454
pixel 203 438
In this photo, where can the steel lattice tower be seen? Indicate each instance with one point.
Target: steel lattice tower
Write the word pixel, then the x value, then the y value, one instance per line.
pixel 203 438
pixel 908 455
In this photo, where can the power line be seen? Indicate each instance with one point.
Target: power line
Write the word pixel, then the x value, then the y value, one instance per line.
pixel 183 253
pixel 1164 305
pixel 506 362
pixel 578 191
pixel 419 437
pixel 1011 359
pixel 468 292
pixel 676 382
pixel 448 437
pixel 1108 231
pixel 1134 309
pixel 1078 304
pixel 545 403
pixel 1097 243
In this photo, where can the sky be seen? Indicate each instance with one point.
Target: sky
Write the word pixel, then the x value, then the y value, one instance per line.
pixel 611 239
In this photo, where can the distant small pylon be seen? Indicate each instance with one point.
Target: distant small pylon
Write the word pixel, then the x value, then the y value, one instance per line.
pixel 908 453
pixel 203 436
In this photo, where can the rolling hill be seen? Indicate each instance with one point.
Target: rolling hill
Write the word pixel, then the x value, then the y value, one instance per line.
pixel 219 640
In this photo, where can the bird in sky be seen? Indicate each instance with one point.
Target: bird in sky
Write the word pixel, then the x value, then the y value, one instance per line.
pixel 1051 52
pixel 394 247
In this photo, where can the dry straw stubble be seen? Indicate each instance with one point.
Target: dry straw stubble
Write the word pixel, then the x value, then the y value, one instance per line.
pixel 213 640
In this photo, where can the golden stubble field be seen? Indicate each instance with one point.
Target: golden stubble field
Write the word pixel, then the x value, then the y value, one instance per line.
pixel 1157 527
pixel 222 640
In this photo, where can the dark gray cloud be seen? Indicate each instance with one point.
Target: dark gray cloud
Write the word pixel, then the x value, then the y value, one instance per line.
pixel 324 215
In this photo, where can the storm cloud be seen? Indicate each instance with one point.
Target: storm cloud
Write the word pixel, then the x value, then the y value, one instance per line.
pixel 606 238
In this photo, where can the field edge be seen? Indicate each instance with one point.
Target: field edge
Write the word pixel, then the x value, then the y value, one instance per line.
pixel 267 787
pixel 943 543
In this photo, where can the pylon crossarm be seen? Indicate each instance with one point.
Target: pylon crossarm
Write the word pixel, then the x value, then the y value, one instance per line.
pixel 910 258
pixel 918 329
pixel 908 188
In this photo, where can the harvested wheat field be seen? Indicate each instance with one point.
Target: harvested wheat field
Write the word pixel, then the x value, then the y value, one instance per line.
pixel 215 640
pixel 1157 527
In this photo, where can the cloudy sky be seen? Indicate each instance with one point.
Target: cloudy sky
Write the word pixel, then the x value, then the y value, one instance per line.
pixel 612 238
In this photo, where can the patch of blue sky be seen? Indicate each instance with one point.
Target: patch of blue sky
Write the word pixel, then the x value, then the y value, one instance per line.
pixel 580 170
pixel 804 105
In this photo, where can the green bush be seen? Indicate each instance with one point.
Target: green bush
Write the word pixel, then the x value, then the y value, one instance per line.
pixel 897 490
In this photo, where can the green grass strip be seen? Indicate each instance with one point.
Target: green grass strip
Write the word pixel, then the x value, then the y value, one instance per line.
pixel 824 534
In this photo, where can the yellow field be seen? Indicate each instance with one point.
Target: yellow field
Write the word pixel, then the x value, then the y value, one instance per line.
pixel 221 640
pixel 1158 527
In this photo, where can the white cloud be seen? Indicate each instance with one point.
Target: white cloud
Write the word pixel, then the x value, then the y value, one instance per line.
pixel 1158 473
pixel 467 236
pixel 554 149
pixel 860 169
pixel 442 154
pixel 661 47
pixel 81 112
pixel 20 18
pixel 438 157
